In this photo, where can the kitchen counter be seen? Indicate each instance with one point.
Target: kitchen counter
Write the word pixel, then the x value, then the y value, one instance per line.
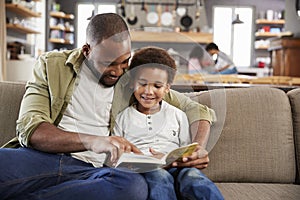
pixel 187 87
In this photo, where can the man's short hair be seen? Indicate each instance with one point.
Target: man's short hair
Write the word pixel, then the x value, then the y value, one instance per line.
pixel 103 26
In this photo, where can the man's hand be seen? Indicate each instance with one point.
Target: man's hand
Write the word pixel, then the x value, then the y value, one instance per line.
pixel 199 159
pixel 114 145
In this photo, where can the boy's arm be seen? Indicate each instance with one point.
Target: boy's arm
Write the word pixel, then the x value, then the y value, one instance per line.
pixel 200 118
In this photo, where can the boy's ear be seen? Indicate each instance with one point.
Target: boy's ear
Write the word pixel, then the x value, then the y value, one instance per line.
pixel 168 87
pixel 131 84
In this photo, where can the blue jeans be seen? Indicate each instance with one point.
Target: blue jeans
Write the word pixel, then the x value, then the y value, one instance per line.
pixel 30 174
pixel 229 71
pixel 181 183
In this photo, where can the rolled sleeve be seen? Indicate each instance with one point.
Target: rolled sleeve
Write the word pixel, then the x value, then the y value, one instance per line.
pixel 27 125
pixel 35 107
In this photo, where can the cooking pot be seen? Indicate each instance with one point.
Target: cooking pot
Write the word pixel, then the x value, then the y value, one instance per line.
pixel 132 19
pixel 186 21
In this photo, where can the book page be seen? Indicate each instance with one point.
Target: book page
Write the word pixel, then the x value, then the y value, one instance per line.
pixel 139 163
pixel 144 163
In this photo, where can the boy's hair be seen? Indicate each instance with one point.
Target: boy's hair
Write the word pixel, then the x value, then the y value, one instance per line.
pixel 107 25
pixel 212 46
pixel 154 57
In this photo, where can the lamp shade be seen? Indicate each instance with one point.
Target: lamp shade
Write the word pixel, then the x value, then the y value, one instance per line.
pixel 237 20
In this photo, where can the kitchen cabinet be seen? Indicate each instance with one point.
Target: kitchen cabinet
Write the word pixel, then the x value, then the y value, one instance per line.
pixel 285 58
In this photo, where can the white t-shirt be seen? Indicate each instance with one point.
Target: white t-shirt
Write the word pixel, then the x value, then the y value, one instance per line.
pixel 163 131
pixel 224 60
pixel 89 112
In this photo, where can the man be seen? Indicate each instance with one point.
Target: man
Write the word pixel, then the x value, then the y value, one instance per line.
pixel 65 120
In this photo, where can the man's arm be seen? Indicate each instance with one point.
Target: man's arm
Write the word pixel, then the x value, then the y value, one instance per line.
pixel 49 138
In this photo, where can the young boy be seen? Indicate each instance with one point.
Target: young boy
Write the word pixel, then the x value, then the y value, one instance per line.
pixel 156 127
pixel 224 65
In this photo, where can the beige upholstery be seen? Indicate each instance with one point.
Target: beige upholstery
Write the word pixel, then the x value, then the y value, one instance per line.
pixel 10 99
pixel 294 96
pixel 254 145
pixel 259 191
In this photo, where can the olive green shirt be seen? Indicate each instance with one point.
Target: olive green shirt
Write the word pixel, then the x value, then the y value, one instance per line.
pixel 55 78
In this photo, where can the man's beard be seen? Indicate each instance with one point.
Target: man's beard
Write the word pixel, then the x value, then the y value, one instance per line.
pixel 102 81
pixel 97 74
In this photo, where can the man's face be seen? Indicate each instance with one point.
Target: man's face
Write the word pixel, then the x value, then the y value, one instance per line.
pixel 150 86
pixel 110 58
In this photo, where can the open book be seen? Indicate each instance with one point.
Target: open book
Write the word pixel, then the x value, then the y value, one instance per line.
pixel 144 163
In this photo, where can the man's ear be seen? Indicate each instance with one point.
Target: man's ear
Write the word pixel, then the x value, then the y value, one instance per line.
pixel 86 50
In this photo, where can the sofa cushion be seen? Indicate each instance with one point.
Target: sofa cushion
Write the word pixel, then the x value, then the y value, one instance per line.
pixel 256 142
pixel 254 191
pixel 294 96
pixel 10 98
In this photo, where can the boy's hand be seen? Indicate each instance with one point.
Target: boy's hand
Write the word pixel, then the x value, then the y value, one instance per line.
pixel 199 159
pixel 156 154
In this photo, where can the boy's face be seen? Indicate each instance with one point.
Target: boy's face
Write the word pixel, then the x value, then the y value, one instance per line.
pixel 150 86
pixel 213 51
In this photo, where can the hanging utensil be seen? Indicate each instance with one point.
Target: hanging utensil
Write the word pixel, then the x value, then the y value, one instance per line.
pixel 174 14
pixel 166 17
pixel 152 16
pixel 132 19
pixel 144 8
pixel 186 21
pixel 159 11
pixel 198 7
pixel 123 12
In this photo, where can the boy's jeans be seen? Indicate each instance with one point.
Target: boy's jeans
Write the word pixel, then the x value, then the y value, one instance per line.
pixel 30 174
pixel 181 183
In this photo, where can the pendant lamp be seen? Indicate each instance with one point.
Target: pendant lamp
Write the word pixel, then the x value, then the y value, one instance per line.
pixel 93 14
pixel 237 20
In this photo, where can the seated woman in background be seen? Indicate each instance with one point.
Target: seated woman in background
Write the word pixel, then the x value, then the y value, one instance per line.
pixel 223 64
pixel 199 61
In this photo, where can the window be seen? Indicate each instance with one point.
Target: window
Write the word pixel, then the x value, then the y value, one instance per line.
pixel 234 40
pixel 84 11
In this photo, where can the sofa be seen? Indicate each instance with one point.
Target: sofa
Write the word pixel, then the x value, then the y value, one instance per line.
pixel 254 147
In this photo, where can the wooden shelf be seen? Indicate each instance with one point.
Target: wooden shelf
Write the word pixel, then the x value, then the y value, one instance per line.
pixel 262 48
pixel 266 34
pixel 174 37
pixel 61 15
pixel 61 28
pixel 21 29
pixel 21 10
pixel 60 41
pixel 265 21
